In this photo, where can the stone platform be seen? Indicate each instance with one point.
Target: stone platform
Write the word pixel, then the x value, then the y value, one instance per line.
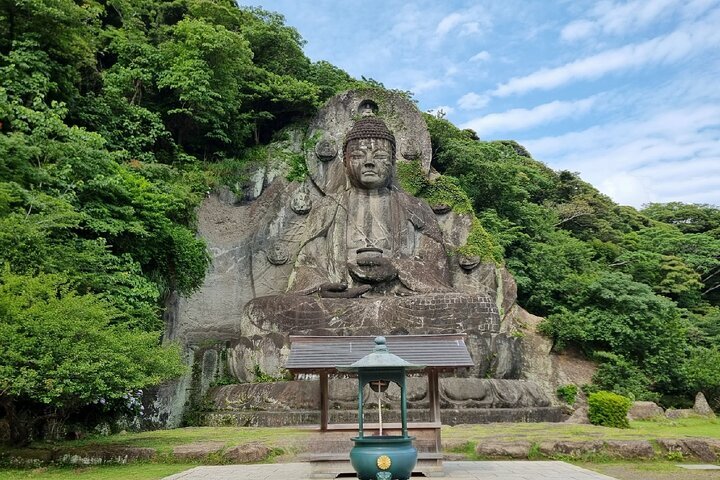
pixel 462 400
pixel 282 418
pixel 517 470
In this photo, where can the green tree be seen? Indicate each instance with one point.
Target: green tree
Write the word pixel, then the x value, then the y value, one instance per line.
pixel 59 351
pixel 687 217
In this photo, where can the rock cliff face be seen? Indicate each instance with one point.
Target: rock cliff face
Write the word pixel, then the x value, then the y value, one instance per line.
pixel 237 324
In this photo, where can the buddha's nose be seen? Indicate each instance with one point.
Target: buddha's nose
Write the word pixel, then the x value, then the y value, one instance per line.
pixel 369 164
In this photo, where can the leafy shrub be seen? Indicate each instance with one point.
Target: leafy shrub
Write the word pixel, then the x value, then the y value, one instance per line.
pixel 617 374
pixel 567 393
pixel 608 409
pixel 263 377
pixel 60 353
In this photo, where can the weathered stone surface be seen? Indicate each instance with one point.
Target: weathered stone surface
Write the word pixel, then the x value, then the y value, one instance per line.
pixel 296 395
pixel 491 393
pixel 508 294
pixel 454 393
pixel 247 453
pixel 371 257
pixel 570 448
pixel 227 196
pixel 714 444
pixel 335 119
pixel 455 416
pixel 547 369
pixel 198 450
pixel 453 444
pixel 29 457
pixel 346 252
pixel 579 416
pixel 434 313
pixel 494 449
pixel 644 411
pixel 701 449
pixel 454 457
pixel 629 449
pixel 701 406
pixel 97 455
pixel 675 413
pixel 697 448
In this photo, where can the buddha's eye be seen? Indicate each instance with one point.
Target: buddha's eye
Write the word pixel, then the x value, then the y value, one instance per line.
pixel 381 156
pixel 357 155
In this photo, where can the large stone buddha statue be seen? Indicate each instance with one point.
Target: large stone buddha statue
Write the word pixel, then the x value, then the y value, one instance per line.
pixel 371 260
pixel 344 252
pixel 372 238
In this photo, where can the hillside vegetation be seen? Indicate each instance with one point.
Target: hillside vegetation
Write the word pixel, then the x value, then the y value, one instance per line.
pixel 118 117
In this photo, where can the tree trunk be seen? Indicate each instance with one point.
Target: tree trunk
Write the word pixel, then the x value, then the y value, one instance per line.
pixel 19 422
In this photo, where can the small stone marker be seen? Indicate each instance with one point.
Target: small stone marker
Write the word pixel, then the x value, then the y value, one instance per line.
pixel 701 406
pixel 645 410
pixel 197 450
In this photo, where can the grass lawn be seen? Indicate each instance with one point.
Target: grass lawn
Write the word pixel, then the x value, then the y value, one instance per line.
pixel 459 439
pixel 649 470
pixel 539 432
pixel 165 440
pixel 138 471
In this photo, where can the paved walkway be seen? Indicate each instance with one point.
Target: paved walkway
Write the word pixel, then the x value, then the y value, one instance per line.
pixel 484 470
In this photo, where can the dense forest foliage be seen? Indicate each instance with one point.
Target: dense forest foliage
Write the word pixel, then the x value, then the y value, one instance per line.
pixel 637 291
pixel 118 116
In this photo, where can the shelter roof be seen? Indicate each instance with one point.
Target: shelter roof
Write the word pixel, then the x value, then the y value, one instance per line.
pixel 311 354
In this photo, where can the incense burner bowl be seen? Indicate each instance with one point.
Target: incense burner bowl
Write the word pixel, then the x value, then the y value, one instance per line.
pixel 386 454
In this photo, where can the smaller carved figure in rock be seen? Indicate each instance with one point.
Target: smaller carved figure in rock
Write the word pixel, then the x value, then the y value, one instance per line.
pixel 326 150
pixel 301 203
pixel 278 254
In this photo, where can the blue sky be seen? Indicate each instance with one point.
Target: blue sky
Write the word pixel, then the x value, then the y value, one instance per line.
pixel 625 92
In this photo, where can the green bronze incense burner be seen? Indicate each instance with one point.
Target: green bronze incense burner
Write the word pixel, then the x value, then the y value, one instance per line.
pixel 382 457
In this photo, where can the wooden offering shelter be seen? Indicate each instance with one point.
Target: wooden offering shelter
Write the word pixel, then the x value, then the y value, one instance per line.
pixel 321 354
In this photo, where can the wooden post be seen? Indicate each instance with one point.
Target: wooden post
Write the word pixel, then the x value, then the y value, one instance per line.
pixel 434 395
pixel 431 393
pixel 360 408
pixel 403 405
pixel 324 403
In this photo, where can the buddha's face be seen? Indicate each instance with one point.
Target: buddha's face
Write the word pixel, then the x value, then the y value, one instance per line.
pixel 369 163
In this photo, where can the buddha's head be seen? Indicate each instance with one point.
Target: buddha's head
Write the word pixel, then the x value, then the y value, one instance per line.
pixel 369 154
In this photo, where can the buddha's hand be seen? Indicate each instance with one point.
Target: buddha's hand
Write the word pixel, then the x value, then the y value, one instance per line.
pixel 373 270
pixel 341 290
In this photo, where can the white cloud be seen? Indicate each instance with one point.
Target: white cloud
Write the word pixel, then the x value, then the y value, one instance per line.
pixel 427 84
pixel 483 56
pixel 663 49
pixel 673 155
pixel 619 18
pixel 466 22
pixel 448 23
pixel 522 118
pixel 473 101
pixel 628 189
pixel 470 28
pixel 577 30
